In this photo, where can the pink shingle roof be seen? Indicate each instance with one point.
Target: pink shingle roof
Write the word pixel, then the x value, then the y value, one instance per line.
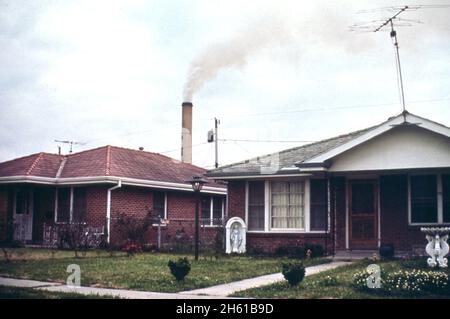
pixel 39 164
pixel 104 161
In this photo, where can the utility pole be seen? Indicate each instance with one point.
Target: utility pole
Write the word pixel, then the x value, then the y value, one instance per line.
pixel 214 137
pixel 216 140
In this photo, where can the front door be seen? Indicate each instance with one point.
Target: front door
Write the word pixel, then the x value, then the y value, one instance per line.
pixel 363 214
pixel 23 215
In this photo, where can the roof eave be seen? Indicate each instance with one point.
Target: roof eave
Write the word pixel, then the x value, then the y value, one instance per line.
pixel 65 181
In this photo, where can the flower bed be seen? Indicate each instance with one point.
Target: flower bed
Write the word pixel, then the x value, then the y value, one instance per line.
pixel 406 282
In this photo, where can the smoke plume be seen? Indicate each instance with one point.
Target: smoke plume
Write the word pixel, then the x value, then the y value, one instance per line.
pixel 234 52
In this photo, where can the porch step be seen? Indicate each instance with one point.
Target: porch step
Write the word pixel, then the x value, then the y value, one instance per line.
pixel 355 254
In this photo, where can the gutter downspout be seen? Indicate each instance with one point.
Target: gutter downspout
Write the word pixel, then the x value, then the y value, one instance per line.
pixel 108 210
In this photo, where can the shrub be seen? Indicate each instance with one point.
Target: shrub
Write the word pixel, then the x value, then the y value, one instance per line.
pixel 293 272
pixel 299 251
pixel 257 251
pixel 316 249
pixel 329 281
pixel 132 228
pixel 132 249
pixel 387 251
pixel 180 268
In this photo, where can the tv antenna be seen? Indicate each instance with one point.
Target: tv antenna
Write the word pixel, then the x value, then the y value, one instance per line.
pixel 394 20
pixel 71 143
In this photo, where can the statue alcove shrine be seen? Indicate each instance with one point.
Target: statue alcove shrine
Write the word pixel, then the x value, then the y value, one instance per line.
pixel 235 236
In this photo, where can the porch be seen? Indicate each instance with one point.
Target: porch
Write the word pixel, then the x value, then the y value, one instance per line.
pixel 388 208
pixel 26 209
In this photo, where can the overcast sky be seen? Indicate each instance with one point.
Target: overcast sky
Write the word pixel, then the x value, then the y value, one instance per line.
pixel 114 72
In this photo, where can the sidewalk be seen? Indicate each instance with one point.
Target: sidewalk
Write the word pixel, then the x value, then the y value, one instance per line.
pixel 214 292
pixel 230 288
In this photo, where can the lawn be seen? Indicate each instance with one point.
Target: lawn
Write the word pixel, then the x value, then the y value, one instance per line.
pixel 30 293
pixel 147 271
pixel 337 283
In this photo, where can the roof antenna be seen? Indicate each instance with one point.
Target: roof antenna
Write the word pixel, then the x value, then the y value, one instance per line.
pixel 375 26
pixel 71 143
pixel 393 35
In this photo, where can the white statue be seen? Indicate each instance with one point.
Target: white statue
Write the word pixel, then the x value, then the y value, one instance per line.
pixel 235 238
pixel 437 247
pixel 235 235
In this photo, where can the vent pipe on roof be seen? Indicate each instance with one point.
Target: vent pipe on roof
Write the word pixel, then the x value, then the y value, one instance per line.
pixel 186 132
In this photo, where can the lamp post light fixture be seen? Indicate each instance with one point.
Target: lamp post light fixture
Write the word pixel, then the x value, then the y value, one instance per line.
pixel 197 183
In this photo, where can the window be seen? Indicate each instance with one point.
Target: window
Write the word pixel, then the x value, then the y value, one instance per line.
pixel 423 190
pixel 159 204
pixel 22 202
pixel 319 204
pixel 217 210
pixel 63 204
pixel 256 205
pixel 287 205
pixel 212 209
pixel 79 204
pixel 446 197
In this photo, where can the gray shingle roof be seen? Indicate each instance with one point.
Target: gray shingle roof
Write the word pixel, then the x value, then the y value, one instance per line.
pixel 283 162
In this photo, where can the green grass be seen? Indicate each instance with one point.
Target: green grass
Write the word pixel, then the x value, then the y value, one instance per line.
pixel 148 271
pixel 318 287
pixel 30 293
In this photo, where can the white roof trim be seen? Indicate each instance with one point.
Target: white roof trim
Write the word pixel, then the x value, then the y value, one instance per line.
pixel 109 180
pixel 263 176
pixel 390 124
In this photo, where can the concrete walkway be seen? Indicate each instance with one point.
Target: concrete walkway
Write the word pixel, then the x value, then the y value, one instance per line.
pixel 214 292
pixel 121 293
pixel 230 288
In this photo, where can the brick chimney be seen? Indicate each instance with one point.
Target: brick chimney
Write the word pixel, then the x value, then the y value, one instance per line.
pixel 186 133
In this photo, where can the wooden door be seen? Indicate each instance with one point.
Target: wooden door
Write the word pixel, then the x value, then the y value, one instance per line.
pixel 363 214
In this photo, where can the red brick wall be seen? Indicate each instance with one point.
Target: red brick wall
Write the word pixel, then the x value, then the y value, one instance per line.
pixel 269 242
pixel 135 201
pixel 96 205
pixel 338 209
pixel 181 216
pixel 394 214
pixel 3 212
pixel 236 199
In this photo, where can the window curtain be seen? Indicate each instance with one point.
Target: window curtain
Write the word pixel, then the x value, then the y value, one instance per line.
pixel 287 199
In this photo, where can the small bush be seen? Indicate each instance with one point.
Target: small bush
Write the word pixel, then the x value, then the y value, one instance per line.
pixel 180 268
pixel 387 251
pixel 329 281
pixel 316 250
pixel 257 252
pixel 132 249
pixel 300 252
pixel 293 272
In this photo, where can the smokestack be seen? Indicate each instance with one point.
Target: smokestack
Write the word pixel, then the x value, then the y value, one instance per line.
pixel 186 133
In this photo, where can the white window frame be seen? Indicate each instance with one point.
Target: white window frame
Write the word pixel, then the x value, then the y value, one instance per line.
pixel 211 210
pixel 440 201
pixel 165 217
pixel 267 210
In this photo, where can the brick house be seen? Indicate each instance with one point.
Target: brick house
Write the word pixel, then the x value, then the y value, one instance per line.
pixel 96 185
pixel 352 192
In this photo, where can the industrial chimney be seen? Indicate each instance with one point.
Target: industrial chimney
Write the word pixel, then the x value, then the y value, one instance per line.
pixel 186 133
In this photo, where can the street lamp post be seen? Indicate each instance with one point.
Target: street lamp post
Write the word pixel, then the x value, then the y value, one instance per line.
pixel 197 184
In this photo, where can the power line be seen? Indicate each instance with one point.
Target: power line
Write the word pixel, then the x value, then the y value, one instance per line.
pixel 264 141
pixel 177 149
